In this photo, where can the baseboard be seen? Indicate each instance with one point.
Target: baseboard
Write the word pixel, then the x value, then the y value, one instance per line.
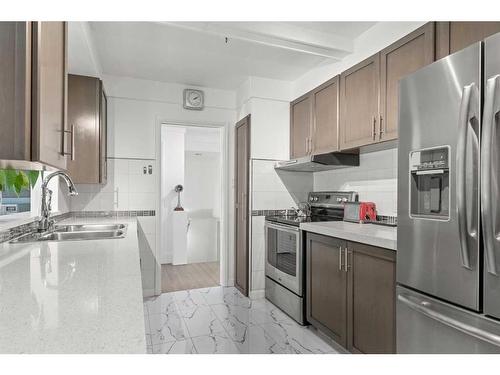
pixel 257 294
pixel 229 282
pixel 148 293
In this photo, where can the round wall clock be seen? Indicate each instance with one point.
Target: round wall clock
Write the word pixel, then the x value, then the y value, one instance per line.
pixel 193 99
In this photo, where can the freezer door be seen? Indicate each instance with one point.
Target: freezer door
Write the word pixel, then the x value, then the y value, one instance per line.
pixel 440 109
pixel 427 326
pixel 490 176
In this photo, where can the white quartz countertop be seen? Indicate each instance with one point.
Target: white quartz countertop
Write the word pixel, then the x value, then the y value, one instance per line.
pixel 72 296
pixel 370 234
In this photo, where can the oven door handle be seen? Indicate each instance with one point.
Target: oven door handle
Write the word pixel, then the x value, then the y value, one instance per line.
pixel 284 227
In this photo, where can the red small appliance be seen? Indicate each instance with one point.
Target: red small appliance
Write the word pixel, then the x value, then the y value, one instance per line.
pixel 360 212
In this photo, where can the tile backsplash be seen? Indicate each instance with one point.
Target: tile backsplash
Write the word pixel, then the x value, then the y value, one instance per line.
pixel 268 191
pixel 127 188
pixel 375 180
pixel 272 190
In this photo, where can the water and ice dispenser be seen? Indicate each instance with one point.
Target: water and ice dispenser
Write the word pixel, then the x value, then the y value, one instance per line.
pixel 429 183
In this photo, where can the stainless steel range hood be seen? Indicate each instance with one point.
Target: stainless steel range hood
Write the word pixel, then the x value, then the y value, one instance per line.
pixel 321 162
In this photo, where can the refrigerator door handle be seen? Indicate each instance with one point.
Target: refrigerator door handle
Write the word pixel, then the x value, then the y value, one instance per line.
pixel 428 309
pixel 490 112
pixel 467 115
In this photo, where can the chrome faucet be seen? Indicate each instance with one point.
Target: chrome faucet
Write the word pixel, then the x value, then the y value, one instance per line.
pixel 46 223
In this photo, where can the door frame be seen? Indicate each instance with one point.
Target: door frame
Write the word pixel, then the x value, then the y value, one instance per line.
pixel 243 121
pixel 226 267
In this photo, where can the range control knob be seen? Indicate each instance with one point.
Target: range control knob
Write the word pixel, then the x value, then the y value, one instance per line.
pixel 344 199
pixel 339 200
pixel 311 198
pixel 315 199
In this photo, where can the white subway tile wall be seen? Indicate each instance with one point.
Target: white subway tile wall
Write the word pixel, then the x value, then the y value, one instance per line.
pixel 268 191
pixel 375 180
pixel 127 188
pixel 258 253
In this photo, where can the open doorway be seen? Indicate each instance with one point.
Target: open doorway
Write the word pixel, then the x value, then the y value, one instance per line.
pixel 191 206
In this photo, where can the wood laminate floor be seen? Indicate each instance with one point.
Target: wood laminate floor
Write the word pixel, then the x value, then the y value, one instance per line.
pixel 189 276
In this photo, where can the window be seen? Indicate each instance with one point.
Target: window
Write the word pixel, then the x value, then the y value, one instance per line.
pixel 16 190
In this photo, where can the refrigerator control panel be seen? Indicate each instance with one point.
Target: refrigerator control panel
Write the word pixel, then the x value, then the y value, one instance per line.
pixel 429 183
pixel 434 158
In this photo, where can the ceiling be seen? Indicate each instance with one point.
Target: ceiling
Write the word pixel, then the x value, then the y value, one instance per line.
pixel 220 54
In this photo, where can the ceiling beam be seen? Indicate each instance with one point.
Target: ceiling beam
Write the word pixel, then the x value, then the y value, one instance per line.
pixel 277 35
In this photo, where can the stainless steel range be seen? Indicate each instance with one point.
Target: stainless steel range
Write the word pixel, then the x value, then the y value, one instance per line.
pixel 285 249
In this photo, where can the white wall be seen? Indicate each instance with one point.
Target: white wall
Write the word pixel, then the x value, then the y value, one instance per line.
pixel 127 188
pixel 82 56
pixel 135 107
pixel 268 102
pixel 172 174
pixel 376 38
pixel 202 182
pixel 203 205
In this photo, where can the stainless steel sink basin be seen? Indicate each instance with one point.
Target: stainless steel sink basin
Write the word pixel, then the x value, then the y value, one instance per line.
pixel 89 227
pixel 79 236
pixel 76 233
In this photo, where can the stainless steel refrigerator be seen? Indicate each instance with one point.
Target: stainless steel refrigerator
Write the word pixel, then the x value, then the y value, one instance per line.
pixel 448 260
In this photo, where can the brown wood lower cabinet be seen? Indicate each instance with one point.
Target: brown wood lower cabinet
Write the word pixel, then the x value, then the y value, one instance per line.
pixel 371 307
pixel 351 293
pixel 326 286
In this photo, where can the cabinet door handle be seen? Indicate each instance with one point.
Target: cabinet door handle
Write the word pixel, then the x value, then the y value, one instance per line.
pixel 307 145
pixel 310 145
pixel 340 258
pixel 374 128
pixel 117 198
pixel 381 128
pixel 242 205
pixel 346 255
pixel 72 132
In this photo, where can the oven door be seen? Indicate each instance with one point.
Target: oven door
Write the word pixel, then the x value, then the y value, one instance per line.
pixel 284 256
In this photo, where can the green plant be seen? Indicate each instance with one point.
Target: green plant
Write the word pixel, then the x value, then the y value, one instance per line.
pixel 17 180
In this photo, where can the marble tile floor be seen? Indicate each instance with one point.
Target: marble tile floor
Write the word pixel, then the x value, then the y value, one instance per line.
pixel 220 320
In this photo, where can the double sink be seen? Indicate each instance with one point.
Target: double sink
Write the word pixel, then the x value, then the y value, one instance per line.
pixel 76 232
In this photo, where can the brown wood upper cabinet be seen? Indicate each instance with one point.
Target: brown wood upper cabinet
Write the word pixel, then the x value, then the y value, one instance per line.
pixel 351 293
pixel 324 134
pixel 314 121
pixel 454 36
pixel 300 126
pixel 51 138
pixel 401 58
pixel 33 84
pixel 369 90
pixel 15 90
pixel 87 120
pixel 359 103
